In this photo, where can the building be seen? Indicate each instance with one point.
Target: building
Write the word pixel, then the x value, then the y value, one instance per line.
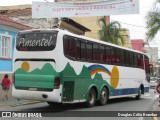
pixel 8 30
pixel 126 38
pixel 89 26
pixel 138 44
pixel 152 53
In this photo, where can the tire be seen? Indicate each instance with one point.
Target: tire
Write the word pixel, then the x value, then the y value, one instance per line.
pixel 138 97
pixel 91 98
pixel 54 104
pixel 104 97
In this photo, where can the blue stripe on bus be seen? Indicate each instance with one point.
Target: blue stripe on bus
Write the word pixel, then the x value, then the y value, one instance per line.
pixel 127 91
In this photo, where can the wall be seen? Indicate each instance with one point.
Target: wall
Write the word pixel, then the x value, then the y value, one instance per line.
pixel 90 23
pixel 7 65
pixel 126 38
pixel 138 44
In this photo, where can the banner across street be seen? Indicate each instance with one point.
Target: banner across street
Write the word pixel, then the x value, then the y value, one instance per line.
pixel 76 9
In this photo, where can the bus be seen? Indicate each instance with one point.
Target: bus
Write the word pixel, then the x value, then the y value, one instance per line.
pixel 60 67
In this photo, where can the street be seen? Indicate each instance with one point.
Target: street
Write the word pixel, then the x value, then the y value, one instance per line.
pixel 147 103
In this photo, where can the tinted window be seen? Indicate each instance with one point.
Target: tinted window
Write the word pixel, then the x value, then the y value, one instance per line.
pixel 135 59
pixel 139 63
pixel 142 61
pixel 78 49
pixel 146 60
pixel 118 56
pixel 127 58
pixel 113 53
pixel 131 59
pixel 83 50
pixel 69 46
pixel 102 53
pixel 95 52
pixel 89 51
pixel 108 54
pixel 36 41
pixel 123 56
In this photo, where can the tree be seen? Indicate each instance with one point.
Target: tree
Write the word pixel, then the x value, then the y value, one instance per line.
pixel 110 32
pixel 153 21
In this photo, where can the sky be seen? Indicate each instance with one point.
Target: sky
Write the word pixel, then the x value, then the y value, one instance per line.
pixel 135 23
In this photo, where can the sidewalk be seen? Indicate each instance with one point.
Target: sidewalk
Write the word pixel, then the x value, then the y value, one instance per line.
pixel 12 102
pixel 157 108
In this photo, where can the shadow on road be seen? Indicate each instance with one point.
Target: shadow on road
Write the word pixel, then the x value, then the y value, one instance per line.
pixel 76 106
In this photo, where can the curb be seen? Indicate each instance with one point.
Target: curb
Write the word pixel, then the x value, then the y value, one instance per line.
pixel 20 104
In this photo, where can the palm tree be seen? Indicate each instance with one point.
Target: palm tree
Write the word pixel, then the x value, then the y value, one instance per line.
pixel 110 32
pixel 153 22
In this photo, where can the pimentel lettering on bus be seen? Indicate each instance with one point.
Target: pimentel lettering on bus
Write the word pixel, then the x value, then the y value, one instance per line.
pixel 43 42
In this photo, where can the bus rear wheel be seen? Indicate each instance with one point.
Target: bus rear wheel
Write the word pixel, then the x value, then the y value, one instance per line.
pixel 91 98
pixel 104 97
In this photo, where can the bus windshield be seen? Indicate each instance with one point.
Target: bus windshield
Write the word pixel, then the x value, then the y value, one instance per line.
pixel 36 41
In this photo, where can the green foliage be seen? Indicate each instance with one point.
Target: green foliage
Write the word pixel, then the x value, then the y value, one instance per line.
pixel 110 32
pixel 153 21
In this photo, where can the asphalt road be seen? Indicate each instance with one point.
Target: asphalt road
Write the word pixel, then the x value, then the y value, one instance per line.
pixel 147 103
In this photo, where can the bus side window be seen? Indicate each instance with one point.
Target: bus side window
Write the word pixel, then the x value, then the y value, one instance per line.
pixel 78 49
pixel 89 51
pixel 146 61
pixel 128 58
pixel 142 61
pixel 118 56
pixel 135 60
pixel 139 61
pixel 96 54
pixel 123 56
pixel 102 54
pixel 108 54
pixel 113 55
pixel 69 47
pixel 83 50
pixel 131 59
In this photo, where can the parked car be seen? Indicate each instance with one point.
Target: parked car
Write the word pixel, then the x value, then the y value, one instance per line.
pixel 153 82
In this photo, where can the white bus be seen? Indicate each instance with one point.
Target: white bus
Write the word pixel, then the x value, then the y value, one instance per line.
pixel 57 66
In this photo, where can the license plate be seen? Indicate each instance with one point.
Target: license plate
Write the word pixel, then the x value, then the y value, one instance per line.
pixel 33 89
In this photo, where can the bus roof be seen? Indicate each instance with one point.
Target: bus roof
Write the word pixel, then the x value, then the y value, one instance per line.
pixel 80 36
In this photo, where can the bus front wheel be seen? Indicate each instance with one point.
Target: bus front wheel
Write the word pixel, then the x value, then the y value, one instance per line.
pixel 138 97
pixel 91 98
pixel 104 97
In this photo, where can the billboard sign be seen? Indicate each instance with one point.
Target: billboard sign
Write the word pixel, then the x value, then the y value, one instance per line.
pixel 76 9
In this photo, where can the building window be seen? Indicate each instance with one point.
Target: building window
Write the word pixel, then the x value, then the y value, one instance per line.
pixel 6 48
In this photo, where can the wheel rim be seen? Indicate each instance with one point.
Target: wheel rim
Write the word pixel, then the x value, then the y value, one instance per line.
pixel 104 96
pixel 91 98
